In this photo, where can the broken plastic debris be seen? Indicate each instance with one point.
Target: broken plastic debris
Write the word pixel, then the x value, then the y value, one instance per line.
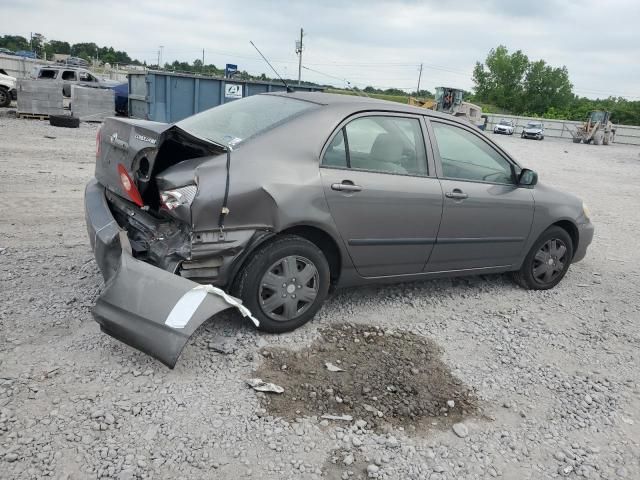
pixel 332 368
pixel 261 386
pixel 184 309
pixel 346 418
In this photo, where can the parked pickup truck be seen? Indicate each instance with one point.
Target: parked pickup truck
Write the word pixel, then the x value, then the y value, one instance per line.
pixel 71 76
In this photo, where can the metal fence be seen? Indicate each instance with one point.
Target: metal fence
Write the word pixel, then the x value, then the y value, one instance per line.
pixel 627 134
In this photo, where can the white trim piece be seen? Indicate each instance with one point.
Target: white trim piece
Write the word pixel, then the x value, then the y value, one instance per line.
pixel 186 306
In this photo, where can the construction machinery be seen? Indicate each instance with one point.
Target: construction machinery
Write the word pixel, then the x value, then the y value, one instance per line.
pixel 597 129
pixel 450 100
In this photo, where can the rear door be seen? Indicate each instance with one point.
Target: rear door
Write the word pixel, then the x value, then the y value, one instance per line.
pixel 384 198
pixel 486 217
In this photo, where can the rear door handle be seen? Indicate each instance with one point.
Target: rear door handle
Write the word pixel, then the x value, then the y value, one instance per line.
pixel 346 186
pixel 456 194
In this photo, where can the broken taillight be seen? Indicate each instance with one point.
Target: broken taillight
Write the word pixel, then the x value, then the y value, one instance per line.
pixel 172 199
pixel 129 186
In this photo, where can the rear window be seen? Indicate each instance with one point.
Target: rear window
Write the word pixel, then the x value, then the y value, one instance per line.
pixel 233 122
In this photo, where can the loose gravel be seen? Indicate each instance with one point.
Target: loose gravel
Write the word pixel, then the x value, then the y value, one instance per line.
pixel 555 375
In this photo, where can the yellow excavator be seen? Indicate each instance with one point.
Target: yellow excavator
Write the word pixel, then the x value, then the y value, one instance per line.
pixel 597 129
pixel 449 100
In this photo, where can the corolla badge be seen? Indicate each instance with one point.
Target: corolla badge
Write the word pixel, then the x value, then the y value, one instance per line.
pixel 144 138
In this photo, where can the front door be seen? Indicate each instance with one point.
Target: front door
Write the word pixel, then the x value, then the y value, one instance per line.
pixel 486 217
pixel 386 206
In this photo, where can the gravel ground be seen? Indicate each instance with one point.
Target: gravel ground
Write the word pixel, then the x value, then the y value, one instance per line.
pixel 555 375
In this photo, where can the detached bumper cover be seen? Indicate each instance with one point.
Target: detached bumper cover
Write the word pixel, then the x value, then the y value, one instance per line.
pixel 143 306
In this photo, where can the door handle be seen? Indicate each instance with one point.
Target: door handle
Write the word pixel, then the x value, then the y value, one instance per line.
pixel 346 186
pixel 456 194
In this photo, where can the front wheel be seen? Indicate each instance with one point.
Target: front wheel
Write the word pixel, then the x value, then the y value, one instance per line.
pixel 285 283
pixel 5 97
pixel 547 262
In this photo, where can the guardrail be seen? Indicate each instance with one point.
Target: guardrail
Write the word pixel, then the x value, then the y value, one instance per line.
pixel 626 134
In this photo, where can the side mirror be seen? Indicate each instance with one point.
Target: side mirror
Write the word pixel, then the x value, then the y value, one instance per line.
pixel 527 178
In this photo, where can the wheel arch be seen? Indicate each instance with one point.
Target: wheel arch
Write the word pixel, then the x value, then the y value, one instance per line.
pixel 319 237
pixel 572 229
pixel 324 241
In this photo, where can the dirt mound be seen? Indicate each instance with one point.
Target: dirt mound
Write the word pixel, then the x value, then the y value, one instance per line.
pixel 389 377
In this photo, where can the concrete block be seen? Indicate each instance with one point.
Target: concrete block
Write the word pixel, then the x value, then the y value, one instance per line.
pixel 92 104
pixel 40 97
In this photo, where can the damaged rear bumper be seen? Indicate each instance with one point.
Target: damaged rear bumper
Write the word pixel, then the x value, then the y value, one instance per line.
pixel 142 305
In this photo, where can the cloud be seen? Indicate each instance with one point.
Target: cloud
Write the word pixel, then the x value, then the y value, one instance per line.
pixel 372 42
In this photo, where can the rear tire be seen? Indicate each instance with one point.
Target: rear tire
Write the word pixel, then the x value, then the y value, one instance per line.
pixel 274 285
pixel 547 262
pixel 576 140
pixel 64 121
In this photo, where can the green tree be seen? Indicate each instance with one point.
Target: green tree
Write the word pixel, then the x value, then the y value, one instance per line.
pixel 56 46
pixel 14 42
pixel 500 79
pixel 545 87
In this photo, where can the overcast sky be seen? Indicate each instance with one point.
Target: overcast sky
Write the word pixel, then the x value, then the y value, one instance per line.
pixel 367 42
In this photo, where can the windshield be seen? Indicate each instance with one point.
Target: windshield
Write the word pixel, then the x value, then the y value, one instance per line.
pixel 534 125
pixel 233 122
pixel 504 122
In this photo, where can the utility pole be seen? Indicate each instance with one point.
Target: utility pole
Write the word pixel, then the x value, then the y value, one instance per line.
pixel 419 78
pixel 299 52
pixel 203 57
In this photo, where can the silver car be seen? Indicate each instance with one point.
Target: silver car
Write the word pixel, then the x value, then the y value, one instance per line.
pixel 279 198
pixel 533 130
pixel 71 75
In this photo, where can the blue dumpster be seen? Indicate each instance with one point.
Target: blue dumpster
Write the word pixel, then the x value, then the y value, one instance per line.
pixel 169 97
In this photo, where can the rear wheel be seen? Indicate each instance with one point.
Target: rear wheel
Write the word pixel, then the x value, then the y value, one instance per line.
pixel 576 140
pixel 285 283
pixel 547 262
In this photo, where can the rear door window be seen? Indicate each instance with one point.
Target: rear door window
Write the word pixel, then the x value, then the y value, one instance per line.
pixel 47 73
pixel 385 144
pixel 69 75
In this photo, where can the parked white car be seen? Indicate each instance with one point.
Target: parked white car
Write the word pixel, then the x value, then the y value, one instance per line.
pixel 7 89
pixel 505 127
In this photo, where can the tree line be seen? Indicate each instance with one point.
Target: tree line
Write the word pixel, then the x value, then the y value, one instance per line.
pixel 44 48
pixel 514 84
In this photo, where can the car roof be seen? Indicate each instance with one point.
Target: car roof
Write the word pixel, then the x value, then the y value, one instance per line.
pixel 61 67
pixel 359 103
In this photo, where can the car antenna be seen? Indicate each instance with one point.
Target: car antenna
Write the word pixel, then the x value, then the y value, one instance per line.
pixel 289 89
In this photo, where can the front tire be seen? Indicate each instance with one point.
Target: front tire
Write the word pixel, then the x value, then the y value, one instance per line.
pixel 284 283
pixel 547 262
pixel 5 97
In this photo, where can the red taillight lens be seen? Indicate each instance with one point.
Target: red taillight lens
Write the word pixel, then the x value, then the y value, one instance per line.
pixel 129 186
pixel 98 141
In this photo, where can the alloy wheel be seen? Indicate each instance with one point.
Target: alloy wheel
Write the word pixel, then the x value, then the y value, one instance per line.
pixel 288 288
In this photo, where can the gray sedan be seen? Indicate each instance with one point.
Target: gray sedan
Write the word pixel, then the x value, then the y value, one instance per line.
pixel 279 198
